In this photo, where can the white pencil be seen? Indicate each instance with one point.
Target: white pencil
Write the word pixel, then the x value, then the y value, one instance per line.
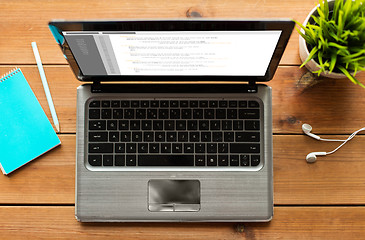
pixel 45 86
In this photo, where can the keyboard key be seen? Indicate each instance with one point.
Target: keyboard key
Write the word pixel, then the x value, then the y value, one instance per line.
pixel 228 136
pixel 199 160
pixel 197 113
pixel 94 104
pixel 184 104
pixel 145 104
pixel 247 137
pixel 98 136
pixel 112 125
pixel 94 113
pixel 253 104
pixel 174 103
pixel 166 148
pixel 125 136
pixel 234 160
pixel 135 125
pixel 188 147
pixel 151 113
pixel 155 104
pixel 119 160
pixel 108 160
pixel 222 147
pixel 166 160
pixel 115 104
pixel 169 125
pixel 194 104
pixel 186 113
pixel 213 104
pixel 238 125
pixel 199 147
pixel 125 104
pixel 141 113
pixel 242 104
pixel 142 147
pixel 231 113
pixel 212 148
pixel 120 147
pixel 105 103
pixel 192 125
pixel 222 160
pixel 94 160
pixel 128 113
pixel 100 147
pixel 208 113
pixel 174 113
pixel 164 104
pixel 227 125
pixel 123 125
pixel 177 148
pixel 255 160
pixel 159 136
pixel 249 113
pixel 212 160
pixel 252 125
pixel 221 113
pixel 148 136
pixel 131 160
pixel 203 104
pixel 146 125
pixel 135 104
pixel 131 148
pixel 106 113
pixel 232 104
pixel 245 160
pixel 203 125
pixel 215 125
pixel 194 136
pixel 136 136
pixel 113 136
pixel 157 125
pixel 244 148
pixel 206 136
pixel 182 136
pixel 154 148
pixel 171 136
pixel 180 125
pixel 163 113
pixel 223 104
pixel 217 137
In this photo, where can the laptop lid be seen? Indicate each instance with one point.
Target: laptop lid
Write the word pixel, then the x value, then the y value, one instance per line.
pixel 188 50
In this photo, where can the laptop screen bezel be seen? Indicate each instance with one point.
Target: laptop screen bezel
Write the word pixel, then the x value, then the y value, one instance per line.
pixel 57 28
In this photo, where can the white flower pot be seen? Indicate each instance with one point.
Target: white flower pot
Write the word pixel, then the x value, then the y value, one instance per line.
pixel 304 53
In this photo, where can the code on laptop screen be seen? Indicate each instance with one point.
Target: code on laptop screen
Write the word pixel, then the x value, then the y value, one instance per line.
pixel 183 53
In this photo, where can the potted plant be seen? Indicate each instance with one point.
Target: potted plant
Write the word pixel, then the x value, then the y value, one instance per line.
pixel 332 39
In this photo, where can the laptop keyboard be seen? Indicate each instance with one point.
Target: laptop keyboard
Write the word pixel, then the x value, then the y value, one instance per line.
pixel 173 133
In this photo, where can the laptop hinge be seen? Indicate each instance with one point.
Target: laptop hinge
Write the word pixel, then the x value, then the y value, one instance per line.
pixel 252 87
pixel 96 87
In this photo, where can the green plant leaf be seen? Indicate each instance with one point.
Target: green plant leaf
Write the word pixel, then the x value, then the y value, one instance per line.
pixel 310 56
pixel 349 76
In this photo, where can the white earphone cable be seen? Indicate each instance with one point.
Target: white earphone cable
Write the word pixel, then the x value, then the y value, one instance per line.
pixel 345 141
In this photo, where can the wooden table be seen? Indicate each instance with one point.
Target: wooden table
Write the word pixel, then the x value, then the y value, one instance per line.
pixel 325 200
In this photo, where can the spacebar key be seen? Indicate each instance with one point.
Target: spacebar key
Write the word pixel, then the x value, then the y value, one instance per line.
pixel 165 160
pixel 244 148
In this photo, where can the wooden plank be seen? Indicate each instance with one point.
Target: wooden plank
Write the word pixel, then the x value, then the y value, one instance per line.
pixel 336 179
pixel 20 29
pixel 288 223
pixel 325 106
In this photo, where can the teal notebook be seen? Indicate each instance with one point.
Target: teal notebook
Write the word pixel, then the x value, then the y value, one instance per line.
pixel 25 131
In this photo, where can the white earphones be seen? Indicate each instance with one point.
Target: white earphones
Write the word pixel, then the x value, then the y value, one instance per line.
pixel 312 157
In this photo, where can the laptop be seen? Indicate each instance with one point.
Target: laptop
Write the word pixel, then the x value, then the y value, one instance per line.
pixel 173 123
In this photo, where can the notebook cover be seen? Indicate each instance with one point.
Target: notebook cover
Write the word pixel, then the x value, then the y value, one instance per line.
pixel 25 131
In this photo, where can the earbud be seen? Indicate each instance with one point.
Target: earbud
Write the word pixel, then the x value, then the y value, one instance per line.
pixel 307 130
pixel 312 157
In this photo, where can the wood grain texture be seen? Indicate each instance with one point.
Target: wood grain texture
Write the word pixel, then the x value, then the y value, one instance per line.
pixel 288 223
pixel 331 107
pixel 26 21
pixel 336 179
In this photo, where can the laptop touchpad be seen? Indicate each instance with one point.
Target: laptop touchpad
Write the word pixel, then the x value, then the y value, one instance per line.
pixel 173 195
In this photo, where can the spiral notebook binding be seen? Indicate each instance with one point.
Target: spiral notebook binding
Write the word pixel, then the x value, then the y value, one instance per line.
pixel 9 74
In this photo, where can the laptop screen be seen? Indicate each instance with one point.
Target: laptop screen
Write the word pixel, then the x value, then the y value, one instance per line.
pixel 183 53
